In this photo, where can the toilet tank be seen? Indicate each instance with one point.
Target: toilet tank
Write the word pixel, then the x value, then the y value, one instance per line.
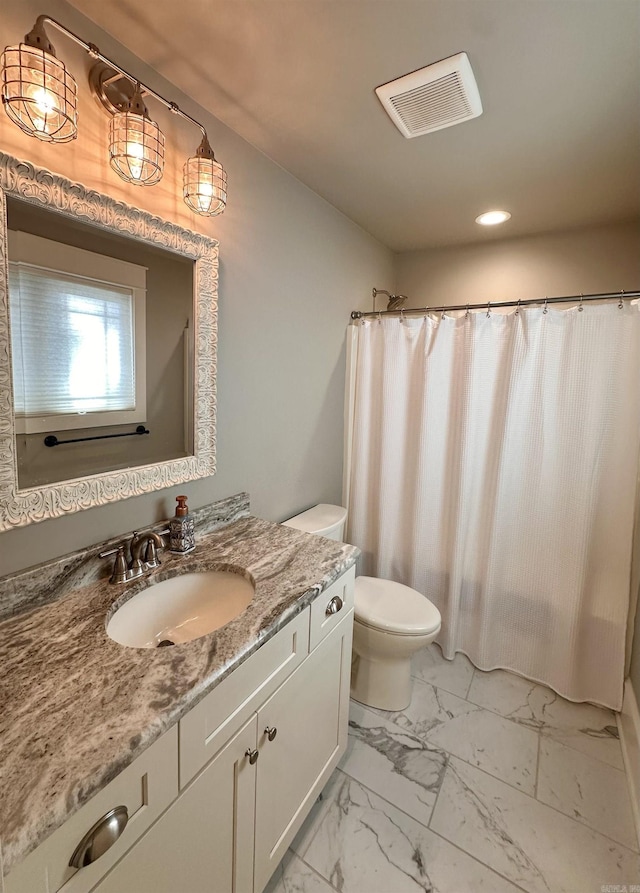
pixel 325 520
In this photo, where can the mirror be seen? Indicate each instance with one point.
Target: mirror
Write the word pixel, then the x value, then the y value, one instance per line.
pixel 107 349
pixel 98 348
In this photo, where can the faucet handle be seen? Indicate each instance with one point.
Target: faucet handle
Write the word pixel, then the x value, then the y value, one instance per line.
pixel 151 555
pixel 119 573
pixel 151 551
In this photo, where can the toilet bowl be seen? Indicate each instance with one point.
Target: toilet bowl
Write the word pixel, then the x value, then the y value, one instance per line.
pixel 391 622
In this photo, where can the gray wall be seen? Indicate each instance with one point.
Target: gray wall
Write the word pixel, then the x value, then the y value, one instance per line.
pixel 292 268
pixel 589 261
pixel 604 258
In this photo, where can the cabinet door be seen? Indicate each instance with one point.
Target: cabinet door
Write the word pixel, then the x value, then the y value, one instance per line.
pixel 309 712
pixel 203 843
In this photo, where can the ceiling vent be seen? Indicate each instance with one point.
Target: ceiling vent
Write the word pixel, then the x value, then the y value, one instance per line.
pixel 432 98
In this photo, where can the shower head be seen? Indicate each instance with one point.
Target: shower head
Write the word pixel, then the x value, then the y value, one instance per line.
pixel 396 302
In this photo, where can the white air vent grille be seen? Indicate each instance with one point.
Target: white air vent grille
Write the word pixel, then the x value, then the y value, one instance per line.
pixel 432 98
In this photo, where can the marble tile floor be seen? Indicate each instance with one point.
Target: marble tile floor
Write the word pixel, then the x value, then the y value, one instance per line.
pixel 486 782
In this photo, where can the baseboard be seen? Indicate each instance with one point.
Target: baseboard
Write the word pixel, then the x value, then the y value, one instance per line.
pixel 629 728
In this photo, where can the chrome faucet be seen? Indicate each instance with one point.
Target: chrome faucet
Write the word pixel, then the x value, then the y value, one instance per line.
pixel 147 544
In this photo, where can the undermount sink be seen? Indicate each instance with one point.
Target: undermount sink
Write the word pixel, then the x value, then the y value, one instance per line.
pixel 181 609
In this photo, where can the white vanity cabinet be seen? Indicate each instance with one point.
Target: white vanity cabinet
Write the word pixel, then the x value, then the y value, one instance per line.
pixel 231 826
pixel 253 756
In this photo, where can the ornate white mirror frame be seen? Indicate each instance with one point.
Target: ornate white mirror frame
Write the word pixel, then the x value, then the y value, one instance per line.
pixel 40 187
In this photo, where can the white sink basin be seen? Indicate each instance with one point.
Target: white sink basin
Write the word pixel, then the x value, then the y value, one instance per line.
pixel 180 609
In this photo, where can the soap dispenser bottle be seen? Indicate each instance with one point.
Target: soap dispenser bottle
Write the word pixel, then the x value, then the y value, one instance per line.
pixel 181 529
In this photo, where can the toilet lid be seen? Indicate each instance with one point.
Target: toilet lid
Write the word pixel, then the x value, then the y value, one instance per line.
pixel 319 519
pixel 391 606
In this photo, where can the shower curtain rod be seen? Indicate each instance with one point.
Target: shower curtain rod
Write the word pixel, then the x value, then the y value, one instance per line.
pixel 605 296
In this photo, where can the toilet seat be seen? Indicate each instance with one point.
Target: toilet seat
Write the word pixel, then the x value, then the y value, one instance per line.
pixel 394 608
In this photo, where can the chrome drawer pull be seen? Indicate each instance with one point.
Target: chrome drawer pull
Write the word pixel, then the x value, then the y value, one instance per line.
pixel 252 754
pixel 334 606
pixel 271 732
pixel 100 838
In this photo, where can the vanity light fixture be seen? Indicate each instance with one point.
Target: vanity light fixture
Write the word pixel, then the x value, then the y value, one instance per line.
pixel 40 96
pixel 136 143
pixel 491 218
pixel 205 182
pixel 38 93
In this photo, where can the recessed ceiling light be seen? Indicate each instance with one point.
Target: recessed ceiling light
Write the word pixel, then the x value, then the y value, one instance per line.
pixel 490 218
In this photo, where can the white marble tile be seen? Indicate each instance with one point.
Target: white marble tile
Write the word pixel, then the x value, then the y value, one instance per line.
pixel 589 729
pixel 366 845
pixel 399 767
pixel 531 844
pixel 586 789
pixel 429 709
pixel 294 876
pixel 454 675
pixel 500 747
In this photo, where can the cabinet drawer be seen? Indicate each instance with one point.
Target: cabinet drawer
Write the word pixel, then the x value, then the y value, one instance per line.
pixel 322 619
pixel 146 788
pixel 210 724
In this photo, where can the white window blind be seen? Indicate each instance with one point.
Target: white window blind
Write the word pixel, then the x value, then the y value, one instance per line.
pixel 78 336
pixel 73 345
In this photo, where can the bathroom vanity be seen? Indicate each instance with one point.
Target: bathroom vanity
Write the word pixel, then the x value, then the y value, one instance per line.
pixel 237 731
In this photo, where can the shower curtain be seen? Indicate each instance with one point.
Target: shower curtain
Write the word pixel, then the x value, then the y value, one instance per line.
pixel 493 468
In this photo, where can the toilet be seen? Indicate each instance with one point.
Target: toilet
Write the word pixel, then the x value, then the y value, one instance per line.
pixel 391 622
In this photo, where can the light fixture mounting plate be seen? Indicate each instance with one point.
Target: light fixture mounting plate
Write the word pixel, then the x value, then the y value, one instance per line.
pixel 112 90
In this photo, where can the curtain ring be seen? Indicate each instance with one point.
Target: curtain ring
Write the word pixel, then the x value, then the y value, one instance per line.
pixel 402 317
pixel 442 314
pixel 546 309
pixel 379 318
pixel 580 307
pixel 466 315
pixel 517 313
pixel 488 309
pixel 620 303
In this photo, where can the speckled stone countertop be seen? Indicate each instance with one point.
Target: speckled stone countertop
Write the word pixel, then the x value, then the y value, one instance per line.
pixel 76 707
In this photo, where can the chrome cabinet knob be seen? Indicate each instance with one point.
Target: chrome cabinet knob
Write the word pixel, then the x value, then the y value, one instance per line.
pixel 100 838
pixel 271 732
pixel 252 754
pixel 334 605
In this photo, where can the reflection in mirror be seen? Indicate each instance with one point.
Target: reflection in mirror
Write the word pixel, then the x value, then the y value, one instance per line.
pixel 121 274
pixel 102 343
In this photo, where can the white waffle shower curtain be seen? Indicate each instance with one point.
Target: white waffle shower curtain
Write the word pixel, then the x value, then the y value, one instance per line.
pixel 493 469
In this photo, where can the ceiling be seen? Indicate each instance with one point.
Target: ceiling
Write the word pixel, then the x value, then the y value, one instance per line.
pixel 558 143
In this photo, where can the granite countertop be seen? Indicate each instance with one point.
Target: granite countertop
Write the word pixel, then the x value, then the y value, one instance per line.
pixel 76 707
